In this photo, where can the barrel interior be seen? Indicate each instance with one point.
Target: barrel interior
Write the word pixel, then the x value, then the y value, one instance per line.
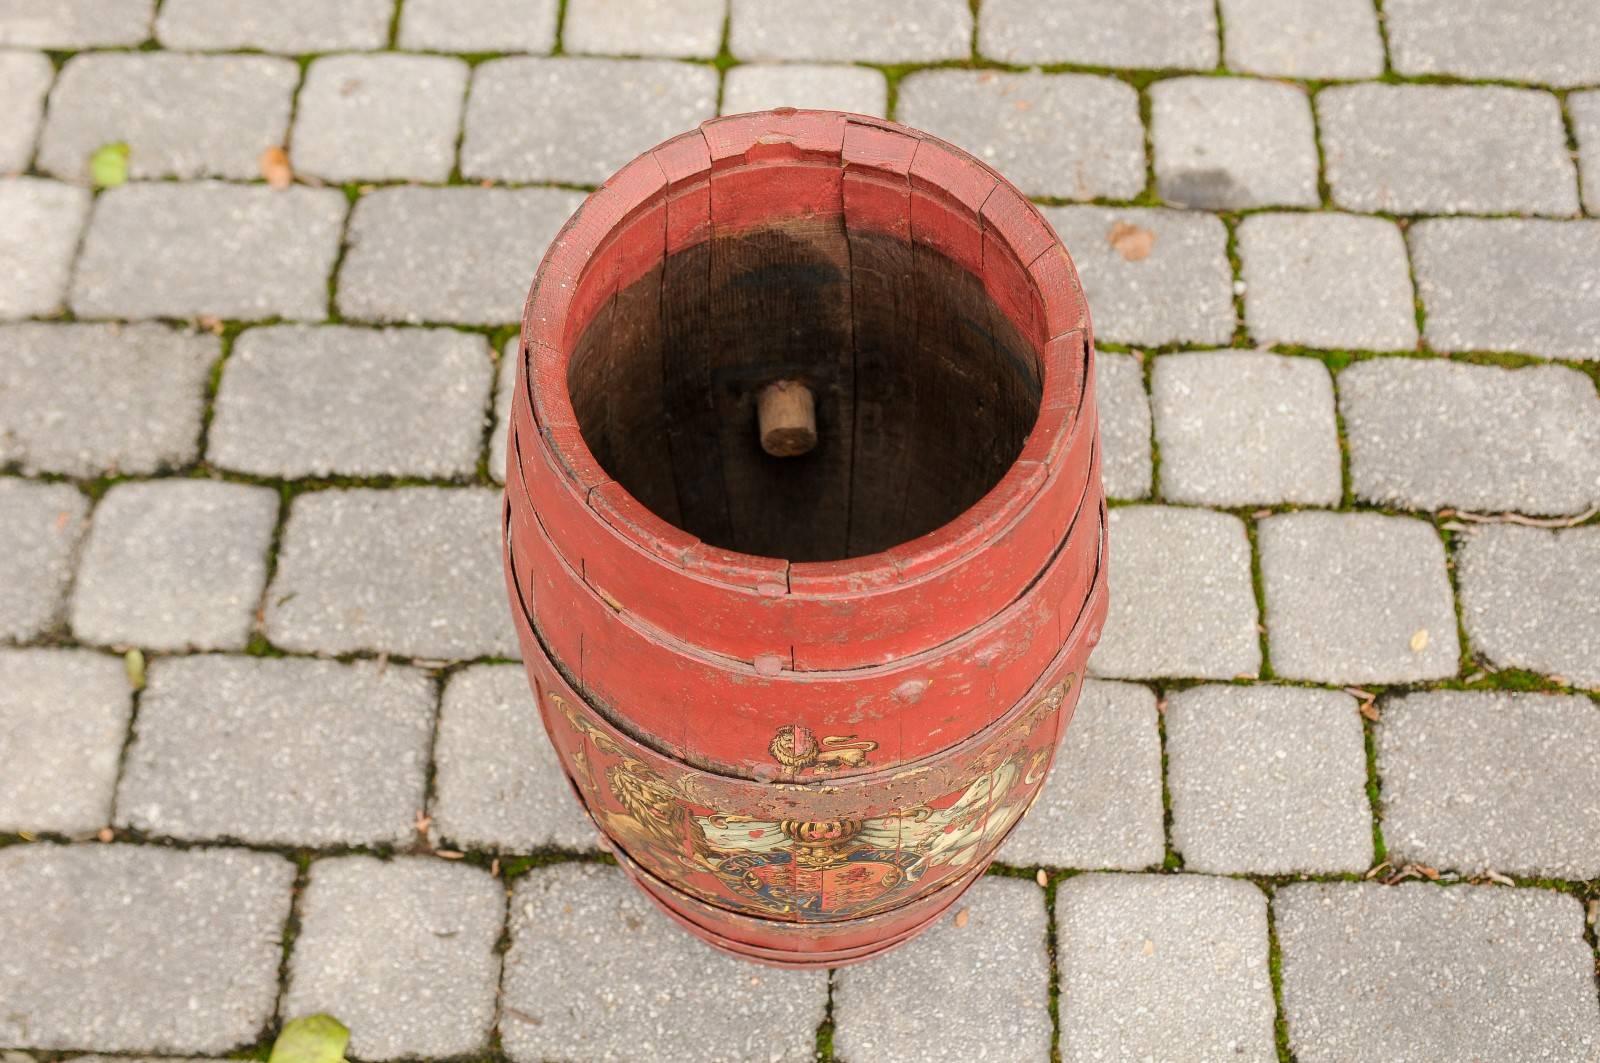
pixel 924 388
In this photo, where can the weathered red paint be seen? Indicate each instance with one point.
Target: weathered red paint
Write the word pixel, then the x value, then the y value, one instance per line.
pixel 806 763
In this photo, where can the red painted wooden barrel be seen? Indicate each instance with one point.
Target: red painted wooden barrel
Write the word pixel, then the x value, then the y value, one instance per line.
pixel 805 698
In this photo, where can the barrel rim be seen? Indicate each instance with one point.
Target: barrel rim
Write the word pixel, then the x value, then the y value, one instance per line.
pixel 933 166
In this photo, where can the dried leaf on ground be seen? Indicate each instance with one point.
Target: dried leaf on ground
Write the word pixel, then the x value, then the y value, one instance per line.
pixel 1132 242
pixel 275 167
pixel 1370 710
pixel 961 918
pixel 1530 522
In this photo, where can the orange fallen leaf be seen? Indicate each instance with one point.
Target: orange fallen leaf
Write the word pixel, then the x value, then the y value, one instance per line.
pixel 274 163
pixel 1370 711
pixel 961 918
pixel 1431 874
pixel 1130 241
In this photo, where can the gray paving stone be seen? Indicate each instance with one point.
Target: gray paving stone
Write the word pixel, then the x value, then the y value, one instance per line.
pixel 403 952
pixel 1490 780
pixel 763 86
pixel 39 225
pixel 1584 107
pixel 180 115
pixel 279 751
pixel 175 565
pixel 1431 433
pixel 660 995
pixel 1177 288
pixel 1327 280
pixel 207 248
pixel 1357 598
pixel 1553 43
pixel 1163 967
pixel 72 24
pixel 1318 39
pixel 1245 428
pixel 63 717
pixel 990 978
pixel 1184 605
pixel 130 1059
pixel 1141 33
pixel 40 525
pixel 1530 599
pixel 1509 284
pixel 133 405
pixel 498 784
pixel 24 79
pixel 504 388
pixel 459 255
pixel 1071 135
pixel 379 117
pixel 577 120
pixel 687 28
pixel 478 25
pixel 292 26
pixel 881 31
pixel 412 571
pixel 151 949
pixel 309 400
pixel 1124 425
pixel 1268 780
pixel 1233 142
pixel 1101 807
pixel 1446 149
pixel 1415 972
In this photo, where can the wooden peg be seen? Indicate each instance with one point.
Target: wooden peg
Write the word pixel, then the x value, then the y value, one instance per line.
pixel 788 417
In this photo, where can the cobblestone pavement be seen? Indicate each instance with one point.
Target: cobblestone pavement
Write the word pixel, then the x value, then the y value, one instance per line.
pixel 1345 267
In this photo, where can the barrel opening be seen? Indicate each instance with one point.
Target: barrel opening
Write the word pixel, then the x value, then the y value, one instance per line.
pixel 924 387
